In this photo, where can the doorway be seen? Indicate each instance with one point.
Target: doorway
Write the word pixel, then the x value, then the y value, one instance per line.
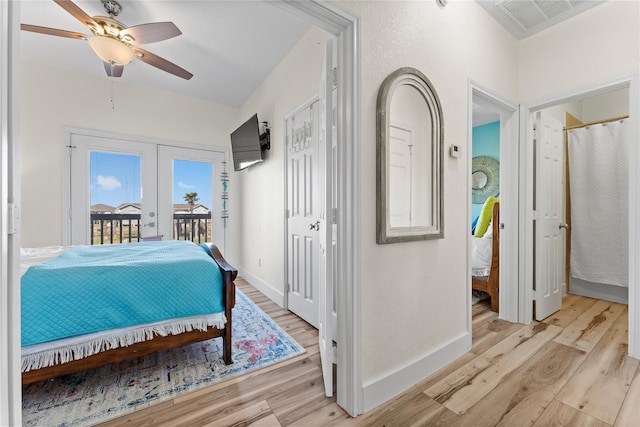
pixel 581 118
pixel 123 189
pixel 527 176
pixel 485 108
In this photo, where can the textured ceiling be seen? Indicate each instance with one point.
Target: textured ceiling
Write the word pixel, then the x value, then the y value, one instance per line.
pixel 523 18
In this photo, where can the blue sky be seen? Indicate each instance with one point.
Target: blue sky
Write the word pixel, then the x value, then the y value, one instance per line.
pixel 115 179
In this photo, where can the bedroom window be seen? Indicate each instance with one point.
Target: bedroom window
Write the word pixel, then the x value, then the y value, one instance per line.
pixel 126 191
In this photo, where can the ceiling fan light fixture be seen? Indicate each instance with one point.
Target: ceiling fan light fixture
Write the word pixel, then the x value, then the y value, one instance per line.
pixel 111 50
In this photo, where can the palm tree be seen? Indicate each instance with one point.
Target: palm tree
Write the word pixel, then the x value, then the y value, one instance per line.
pixel 191 199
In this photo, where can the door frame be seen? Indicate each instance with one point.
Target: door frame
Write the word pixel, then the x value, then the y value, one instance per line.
pixel 345 25
pixel 509 149
pixel 11 381
pixel 526 177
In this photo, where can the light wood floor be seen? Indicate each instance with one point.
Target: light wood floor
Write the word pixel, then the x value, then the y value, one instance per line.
pixel 570 370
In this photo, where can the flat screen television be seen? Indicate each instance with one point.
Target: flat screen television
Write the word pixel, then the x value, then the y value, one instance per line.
pixel 247 145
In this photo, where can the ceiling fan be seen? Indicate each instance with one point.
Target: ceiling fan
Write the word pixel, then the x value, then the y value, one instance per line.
pixel 115 43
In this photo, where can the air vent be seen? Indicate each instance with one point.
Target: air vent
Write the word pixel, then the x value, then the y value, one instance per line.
pixel 526 17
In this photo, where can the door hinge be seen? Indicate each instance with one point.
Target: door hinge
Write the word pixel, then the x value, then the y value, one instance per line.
pixel 334 353
pixel 334 77
pixel 13 218
pixel 333 216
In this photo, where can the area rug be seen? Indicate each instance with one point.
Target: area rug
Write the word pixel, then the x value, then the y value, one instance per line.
pixel 114 390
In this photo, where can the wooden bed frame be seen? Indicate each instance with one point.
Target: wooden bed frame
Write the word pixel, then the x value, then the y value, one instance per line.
pixel 158 343
pixel 491 284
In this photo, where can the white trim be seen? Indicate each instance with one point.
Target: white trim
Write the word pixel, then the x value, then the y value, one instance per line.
pixel 634 211
pixel 269 291
pixel 508 309
pixel 10 380
pixel 526 187
pixel 345 24
pixel 389 386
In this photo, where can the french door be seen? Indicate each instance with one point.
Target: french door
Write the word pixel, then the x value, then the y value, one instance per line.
pixel 122 190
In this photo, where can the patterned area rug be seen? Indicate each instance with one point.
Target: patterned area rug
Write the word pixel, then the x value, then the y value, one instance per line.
pixel 114 390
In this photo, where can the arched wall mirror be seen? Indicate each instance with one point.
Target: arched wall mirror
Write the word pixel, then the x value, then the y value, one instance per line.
pixel 409 159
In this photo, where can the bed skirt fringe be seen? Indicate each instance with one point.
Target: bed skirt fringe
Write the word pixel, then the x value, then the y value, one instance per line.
pixel 85 348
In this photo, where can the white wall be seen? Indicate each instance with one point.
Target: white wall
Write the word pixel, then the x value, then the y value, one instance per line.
pixel 52 98
pixel 257 204
pixel 606 106
pixel 595 47
pixel 415 296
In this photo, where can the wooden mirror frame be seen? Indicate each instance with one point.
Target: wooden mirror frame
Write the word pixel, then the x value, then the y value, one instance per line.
pixel 384 232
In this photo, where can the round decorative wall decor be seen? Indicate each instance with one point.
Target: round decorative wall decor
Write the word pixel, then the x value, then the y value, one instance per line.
pixel 485 178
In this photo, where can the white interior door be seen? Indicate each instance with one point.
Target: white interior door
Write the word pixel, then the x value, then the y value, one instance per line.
pixel 303 205
pixel 400 143
pixel 117 174
pixel 549 216
pixel 327 215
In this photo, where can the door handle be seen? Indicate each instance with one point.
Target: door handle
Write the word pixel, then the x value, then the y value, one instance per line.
pixel 315 226
pixel 565 226
pixel 151 224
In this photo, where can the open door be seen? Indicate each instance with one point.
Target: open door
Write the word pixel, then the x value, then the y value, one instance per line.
pixel 326 145
pixel 549 217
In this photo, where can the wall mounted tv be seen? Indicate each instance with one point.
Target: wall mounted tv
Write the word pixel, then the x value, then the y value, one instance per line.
pixel 248 145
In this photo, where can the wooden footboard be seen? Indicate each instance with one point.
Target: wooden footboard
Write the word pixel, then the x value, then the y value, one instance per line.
pixel 158 343
pixel 491 284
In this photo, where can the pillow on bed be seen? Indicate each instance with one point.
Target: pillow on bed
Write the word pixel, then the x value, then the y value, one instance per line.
pixel 480 256
pixel 485 216
pixel 489 233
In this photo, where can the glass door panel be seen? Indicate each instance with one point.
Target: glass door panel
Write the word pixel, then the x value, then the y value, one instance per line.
pixel 192 200
pixel 115 193
pixel 192 196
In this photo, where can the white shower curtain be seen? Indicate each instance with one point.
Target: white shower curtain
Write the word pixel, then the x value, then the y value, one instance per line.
pixel 599 170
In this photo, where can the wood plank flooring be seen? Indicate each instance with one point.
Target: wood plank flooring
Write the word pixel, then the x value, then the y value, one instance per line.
pixel 569 370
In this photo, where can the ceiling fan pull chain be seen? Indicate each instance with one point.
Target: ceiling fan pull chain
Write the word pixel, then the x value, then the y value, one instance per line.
pixel 113 105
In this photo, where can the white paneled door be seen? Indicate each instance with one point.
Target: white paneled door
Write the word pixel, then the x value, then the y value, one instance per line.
pixel 328 149
pixel 311 226
pixel 303 205
pixel 549 216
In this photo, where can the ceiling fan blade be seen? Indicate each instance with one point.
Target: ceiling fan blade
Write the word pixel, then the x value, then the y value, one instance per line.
pixel 52 31
pixel 113 70
pixel 79 14
pixel 149 33
pixel 161 63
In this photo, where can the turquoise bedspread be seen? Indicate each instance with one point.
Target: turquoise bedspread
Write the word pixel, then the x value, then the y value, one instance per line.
pixel 95 288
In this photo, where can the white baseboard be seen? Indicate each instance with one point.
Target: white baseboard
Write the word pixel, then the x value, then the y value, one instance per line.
pixel 386 388
pixel 269 291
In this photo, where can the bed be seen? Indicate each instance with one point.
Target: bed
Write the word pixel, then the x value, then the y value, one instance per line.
pixel 187 295
pixel 485 257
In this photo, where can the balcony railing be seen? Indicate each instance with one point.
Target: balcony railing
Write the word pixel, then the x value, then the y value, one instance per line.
pixel 125 228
